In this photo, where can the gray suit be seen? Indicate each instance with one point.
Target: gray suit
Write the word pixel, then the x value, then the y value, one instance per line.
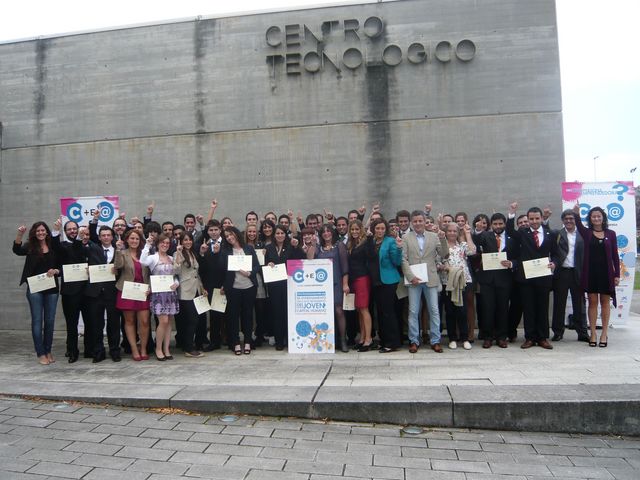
pixel 568 280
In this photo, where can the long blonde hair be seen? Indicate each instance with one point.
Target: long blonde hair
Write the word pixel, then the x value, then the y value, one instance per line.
pixel 361 239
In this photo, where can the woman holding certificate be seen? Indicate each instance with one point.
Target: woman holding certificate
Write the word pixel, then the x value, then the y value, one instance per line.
pixel 600 270
pixel 360 280
pixel 239 287
pixel 131 270
pixel 40 271
pixel 278 252
pixel 332 249
pixel 186 267
pixel 263 324
pixel 164 297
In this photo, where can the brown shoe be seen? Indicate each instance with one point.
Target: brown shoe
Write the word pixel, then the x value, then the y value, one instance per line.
pixel 545 344
pixel 503 343
pixel 486 344
pixel 413 348
pixel 527 344
pixel 436 348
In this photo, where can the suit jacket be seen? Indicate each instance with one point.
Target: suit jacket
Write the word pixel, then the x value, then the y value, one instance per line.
pixel 562 250
pixel 528 251
pixel 411 255
pixel 212 268
pixel 486 243
pixel 95 256
pixel 124 263
pixel 68 253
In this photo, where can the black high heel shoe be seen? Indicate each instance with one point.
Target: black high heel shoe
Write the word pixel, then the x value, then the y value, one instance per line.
pixel 603 344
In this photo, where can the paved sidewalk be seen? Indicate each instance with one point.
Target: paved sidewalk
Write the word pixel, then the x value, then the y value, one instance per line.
pixel 40 440
pixel 571 388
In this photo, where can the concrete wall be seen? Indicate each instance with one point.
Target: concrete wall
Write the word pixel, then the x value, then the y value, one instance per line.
pixel 183 112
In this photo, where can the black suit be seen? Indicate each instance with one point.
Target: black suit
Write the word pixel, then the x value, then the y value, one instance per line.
pixel 568 280
pixel 212 270
pixel 495 286
pixel 535 291
pixel 72 293
pixel 102 297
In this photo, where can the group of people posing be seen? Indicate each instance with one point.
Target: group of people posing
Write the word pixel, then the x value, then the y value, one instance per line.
pixel 393 266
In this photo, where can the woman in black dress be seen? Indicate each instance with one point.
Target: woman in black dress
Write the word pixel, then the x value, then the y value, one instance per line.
pixel 600 271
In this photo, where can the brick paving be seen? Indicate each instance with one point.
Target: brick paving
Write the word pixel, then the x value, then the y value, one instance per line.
pixel 41 439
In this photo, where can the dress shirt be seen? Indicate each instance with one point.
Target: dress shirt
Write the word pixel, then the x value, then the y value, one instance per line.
pixel 503 240
pixel 109 251
pixel 569 260
pixel 540 235
pixel 420 239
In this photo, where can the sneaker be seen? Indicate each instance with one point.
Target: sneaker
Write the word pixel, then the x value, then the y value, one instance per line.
pixel 466 346
pixel 194 354
pixel 453 345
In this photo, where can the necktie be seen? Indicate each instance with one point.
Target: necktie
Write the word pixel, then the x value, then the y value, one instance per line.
pixel 535 237
pixel 106 255
pixel 499 241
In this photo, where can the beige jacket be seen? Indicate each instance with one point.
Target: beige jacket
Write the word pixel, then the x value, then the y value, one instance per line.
pixel 411 255
pixel 124 264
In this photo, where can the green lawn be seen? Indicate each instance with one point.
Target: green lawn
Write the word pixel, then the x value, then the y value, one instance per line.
pixel 636 281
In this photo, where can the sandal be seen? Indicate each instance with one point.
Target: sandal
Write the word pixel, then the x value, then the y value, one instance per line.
pixel 237 350
pixel 247 349
pixel 603 344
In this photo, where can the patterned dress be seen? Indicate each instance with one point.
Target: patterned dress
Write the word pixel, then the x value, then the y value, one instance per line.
pixel 164 303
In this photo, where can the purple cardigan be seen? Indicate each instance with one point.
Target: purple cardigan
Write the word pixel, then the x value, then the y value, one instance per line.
pixel 611 253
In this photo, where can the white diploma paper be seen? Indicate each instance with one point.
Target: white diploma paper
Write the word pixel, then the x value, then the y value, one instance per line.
pixel 274 274
pixel 39 283
pixel 348 301
pixel 135 291
pixel 538 267
pixel 101 273
pixel 202 304
pixel 75 272
pixel 491 261
pixel 420 271
pixel 240 262
pixel 260 255
pixel 218 301
pixel 161 283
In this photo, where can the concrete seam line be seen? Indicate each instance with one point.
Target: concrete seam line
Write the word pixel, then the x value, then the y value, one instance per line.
pixel 313 399
pixel 453 410
pixel 170 399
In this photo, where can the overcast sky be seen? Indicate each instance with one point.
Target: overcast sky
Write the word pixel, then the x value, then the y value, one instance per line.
pixel 598 61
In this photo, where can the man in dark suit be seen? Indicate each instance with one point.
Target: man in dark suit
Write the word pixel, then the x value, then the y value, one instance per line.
pixel 102 298
pixel 495 284
pixel 212 269
pixel 566 278
pixel 73 251
pixel 534 242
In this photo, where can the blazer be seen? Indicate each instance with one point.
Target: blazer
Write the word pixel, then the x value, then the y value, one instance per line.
pixel 124 263
pixel 562 250
pixel 95 256
pixel 68 253
pixel 212 268
pixel 411 255
pixel 611 253
pixel 486 243
pixel 36 264
pixel 389 258
pixel 190 283
pixel 230 276
pixel 529 251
